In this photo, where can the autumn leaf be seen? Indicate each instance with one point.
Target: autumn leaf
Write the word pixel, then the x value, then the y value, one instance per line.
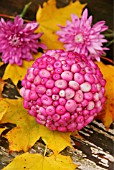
pixel 49 17
pixel 37 161
pixel 55 140
pixel 16 73
pixel 13 112
pixel 27 130
pixel 107 114
pixel 2 83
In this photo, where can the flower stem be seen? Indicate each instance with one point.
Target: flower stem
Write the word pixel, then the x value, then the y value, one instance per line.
pixel 25 9
pixel 109 43
pixel 109 35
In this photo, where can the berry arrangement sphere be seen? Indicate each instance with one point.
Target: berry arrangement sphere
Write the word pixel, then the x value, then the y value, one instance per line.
pixel 64 91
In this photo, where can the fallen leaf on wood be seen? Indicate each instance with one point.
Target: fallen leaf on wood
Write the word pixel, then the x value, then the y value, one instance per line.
pixel 39 162
pixel 27 130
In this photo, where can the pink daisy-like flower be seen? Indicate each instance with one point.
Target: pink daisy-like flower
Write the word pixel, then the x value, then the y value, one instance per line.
pixel 80 36
pixel 18 40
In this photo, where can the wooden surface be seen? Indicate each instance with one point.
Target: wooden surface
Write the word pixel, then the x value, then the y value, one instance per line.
pixel 95 151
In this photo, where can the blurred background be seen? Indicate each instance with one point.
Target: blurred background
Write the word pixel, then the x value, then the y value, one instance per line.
pixel 100 9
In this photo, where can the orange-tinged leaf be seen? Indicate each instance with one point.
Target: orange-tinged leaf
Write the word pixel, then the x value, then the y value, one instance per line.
pixel 2 83
pixel 39 162
pixel 27 130
pixel 15 72
pixel 50 16
pixel 107 114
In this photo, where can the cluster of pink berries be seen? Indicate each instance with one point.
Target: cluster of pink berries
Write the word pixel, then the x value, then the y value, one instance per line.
pixel 63 90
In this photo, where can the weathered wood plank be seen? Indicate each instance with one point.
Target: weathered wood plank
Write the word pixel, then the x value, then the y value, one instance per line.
pixel 97 146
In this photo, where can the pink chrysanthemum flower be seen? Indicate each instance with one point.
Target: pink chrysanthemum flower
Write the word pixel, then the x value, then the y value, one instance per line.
pixel 18 40
pixel 80 36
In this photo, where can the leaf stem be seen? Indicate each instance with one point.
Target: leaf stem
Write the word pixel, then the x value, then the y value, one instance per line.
pixel 109 43
pixel 45 150
pixel 109 35
pixel 109 60
pixel 25 9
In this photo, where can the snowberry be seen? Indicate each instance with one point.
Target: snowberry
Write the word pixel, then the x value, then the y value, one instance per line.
pixel 63 90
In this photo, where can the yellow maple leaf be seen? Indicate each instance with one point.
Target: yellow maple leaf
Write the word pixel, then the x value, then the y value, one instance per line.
pixel 27 130
pixel 55 140
pixel 37 161
pixel 107 114
pixel 15 72
pixel 49 17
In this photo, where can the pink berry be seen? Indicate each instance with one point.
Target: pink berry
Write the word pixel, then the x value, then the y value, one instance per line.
pixel 26 104
pixel 69 93
pixel 65 67
pixel 40 89
pixel 49 92
pixel 75 68
pixel 71 127
pixel 89 78
pixel 39 103
pixel 90 105
pixel 85 87
pixel 88 70
pixel 88 96
pixel 44 73
pixel 37 80
pixel 46 100
pixel 42 122
pixel 66 117
pixel 74 85
pixel 56 76
pixel 57 64
pixel 62 101
pixel 26 94
pixel 50 110
pixel 33 95
pixel 70 105
pixel 62 93
pixel 55 103
pixel 78 96
pixel 55 97
pixel 55 90
pixel 96 96
pixel 49 67
pixel 56 117
pixel 67 75
pixel 60 110
pixel 41 117
pixel 79 78
pixel 62 84
pixel 58 70
pixel 42 64
pixel 50 83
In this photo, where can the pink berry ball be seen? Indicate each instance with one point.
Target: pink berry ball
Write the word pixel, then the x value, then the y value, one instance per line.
pixel 64 91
